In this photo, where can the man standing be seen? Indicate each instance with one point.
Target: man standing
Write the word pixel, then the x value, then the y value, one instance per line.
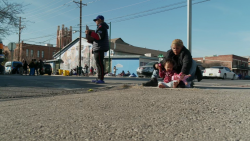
pixel 100 45
pixel 40 66
pixel 115 70
pixel 86 70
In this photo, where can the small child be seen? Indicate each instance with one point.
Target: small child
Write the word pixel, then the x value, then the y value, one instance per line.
pixel 166 71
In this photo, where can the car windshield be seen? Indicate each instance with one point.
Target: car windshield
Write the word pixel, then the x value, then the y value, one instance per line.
pixel 217 67
pixel 150 64
pixel 8 64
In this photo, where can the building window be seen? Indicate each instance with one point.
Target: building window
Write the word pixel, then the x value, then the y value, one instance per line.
pixel 38 53
pixel 27 52
pixel 54 52
pixel 31 53
pixel 42 54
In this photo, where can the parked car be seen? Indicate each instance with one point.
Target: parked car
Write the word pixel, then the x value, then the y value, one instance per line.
pixel 1 69
pixel 9 67
pixel 147 70
pixel 219 72
pixel 46 69
pixel 247 77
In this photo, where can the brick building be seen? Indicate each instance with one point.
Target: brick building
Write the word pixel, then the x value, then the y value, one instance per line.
pixel 64 35
pixel 236 63
pixel 30 51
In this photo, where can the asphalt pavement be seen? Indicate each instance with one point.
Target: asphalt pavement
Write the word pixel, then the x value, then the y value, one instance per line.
pixel 76 82
pixel 17 86
pixel 72 108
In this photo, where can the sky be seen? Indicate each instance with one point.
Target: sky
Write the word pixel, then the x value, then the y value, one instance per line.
pixel 219 27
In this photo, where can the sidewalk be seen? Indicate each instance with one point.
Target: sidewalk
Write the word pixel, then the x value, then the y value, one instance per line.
pixel 129 113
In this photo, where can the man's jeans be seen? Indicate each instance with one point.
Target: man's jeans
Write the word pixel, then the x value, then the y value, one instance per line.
pixel 192 72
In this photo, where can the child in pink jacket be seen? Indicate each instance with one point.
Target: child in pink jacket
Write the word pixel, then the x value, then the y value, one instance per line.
pixel 166 71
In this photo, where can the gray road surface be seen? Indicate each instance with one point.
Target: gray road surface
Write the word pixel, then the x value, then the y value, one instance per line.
pixel 16 86
pixel 127 114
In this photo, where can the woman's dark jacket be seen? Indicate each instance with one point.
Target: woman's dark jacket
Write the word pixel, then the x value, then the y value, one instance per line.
pixel 183 61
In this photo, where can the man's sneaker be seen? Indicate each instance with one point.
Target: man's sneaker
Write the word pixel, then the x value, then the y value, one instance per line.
pixel 153 83
pixel 100 82
pixel 94 81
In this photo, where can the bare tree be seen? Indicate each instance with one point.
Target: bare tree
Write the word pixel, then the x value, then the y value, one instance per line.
pixel 211 64
pixel 9 19
pixel 6 54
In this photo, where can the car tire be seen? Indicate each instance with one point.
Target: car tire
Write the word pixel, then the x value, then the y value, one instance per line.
pixel 233 77
pixel 224 77
pixel 49 73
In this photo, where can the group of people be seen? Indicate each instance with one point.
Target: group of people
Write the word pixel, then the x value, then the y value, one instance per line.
pixel 125 74
pixel 178 60
pixel 177 69
pixel 122 73
pixel 34 66
pixel 85 71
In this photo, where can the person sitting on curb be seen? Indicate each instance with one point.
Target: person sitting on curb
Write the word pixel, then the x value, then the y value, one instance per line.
pixel 184 63
pixel 122 73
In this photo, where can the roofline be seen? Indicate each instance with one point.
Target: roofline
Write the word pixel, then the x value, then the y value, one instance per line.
pixel 63 49
pixel 132 56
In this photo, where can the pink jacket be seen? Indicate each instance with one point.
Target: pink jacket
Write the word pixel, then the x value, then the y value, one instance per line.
pixel 166 75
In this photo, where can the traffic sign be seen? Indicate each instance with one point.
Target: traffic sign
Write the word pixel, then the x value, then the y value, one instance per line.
pixel 12 46
pixel 160 56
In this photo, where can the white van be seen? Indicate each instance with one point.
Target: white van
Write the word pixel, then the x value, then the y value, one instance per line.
pixel 9 66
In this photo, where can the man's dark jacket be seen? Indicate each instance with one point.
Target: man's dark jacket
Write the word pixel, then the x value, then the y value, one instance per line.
pixel 101 40
pixel 183 61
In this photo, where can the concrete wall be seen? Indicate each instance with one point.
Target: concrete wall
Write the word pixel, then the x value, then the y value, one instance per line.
pixel 71 56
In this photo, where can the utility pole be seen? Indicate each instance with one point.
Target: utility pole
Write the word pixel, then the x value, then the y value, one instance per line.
pixel 80 38
pixel 20 28
pixel 89 56
pixel 60 49
pixel 109 45
pixel 19 38
pixel 189 25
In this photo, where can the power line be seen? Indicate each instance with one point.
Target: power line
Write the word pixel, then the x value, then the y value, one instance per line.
pixel 56 15
pixel 157 12
pixel 43 7
pixel 47 14
pixel 118 8
pixel 149 10
pixel 43 42
pixel 93 1
pixel 50 10
pixel 129 14
pixel 152 12
pixel 139 16
pixel 39 37
pixel 95 14
pixel 49 27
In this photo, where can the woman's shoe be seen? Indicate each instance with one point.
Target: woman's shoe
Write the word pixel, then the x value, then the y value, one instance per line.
pixel 153 83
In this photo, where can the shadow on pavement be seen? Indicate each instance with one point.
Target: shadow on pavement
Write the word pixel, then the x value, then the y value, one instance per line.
pixel 223 87
pixel 60 82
